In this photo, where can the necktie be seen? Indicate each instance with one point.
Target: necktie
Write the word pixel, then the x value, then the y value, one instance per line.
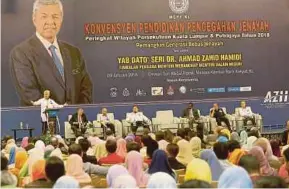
pixel 56 60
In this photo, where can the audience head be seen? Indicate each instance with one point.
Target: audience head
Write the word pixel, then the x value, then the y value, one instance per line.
pixel 135 108
pixel 250 164
pixel 198 169
pixel 66 182
pixel 172 150
pixel 286 155
pixel 54 142
pixel 104 111
pixel 176 139
pixel 243 104
pixel 160 163
pixel 151 148
pixel 181 133
pixel 124 181
pixel 275 145
pixel 110 146
pixel 54 168
pixel 114 172
pixel 161 180
pixel 4 162
pixel 109 133
pixel 195 184
pixel 38 170
pixel 233 144
pixel 84 144
pixel 75 149
pixel 160 135
pixel 132 146
pixel 169 136
pixel 270 182
pixel 146 139
pixel 221 150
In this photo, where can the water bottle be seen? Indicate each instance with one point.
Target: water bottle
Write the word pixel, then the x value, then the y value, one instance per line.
pixel 21 125
pixel 27 126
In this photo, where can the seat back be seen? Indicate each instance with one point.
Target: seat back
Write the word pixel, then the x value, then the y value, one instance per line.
pixel 69 117
pixel 178 173
pixel 166 116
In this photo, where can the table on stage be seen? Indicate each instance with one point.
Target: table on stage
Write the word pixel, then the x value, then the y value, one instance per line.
pixel 19 129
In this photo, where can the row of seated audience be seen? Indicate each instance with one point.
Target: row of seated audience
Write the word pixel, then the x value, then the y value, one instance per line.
pixel 161 160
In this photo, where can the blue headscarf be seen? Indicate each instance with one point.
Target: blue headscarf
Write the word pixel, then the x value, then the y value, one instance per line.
pixel 12 154
pixel 66 182
pixel 222 139
pixel 235 177
pixel 210 157
pixel 160 163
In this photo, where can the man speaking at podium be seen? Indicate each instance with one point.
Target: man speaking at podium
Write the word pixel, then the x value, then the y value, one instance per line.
pixel 44 62
pixel 45 103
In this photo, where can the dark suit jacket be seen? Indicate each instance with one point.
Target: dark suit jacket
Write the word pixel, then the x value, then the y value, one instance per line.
pixel 186 113
pixel 74 118
pixel 33 71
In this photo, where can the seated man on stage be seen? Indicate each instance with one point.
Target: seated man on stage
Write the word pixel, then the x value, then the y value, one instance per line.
pixel 191 114
pixel 78 122
pixel 246 113
pixel 137 119
pixel 220 116
pixel 46 103
pixel 106 121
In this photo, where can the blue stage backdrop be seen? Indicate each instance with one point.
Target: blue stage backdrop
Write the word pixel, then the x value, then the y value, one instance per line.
pixel 157 53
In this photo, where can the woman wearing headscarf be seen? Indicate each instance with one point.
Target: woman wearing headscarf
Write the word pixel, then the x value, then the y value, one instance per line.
pixel 20 159
pixel 10 143
pixel 185 154
pixel 134 165
pixel 39 144
pixel 100 151
pixel 283 171
pixel 74 168
pixel 12 154
pixel 210 157
pixel 24 142
pixel 138 140
pixel 121 147
pixel 57 152
pixel 124 181
pixel 47 151
pixel 266 169
pixel 275 145
pixel 249 144
pixel 151 148
pixel 198 169
pixel 160 164
pixel 196 145
pixel 243 137
pixel 113 172
pixel 38 178
pixel 66 182
pixel 235 136
pixel 130 137
pixel 235 177
pixel 161 180
pixel 236 155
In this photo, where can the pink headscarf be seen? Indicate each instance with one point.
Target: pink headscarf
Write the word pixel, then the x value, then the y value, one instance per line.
pixel 24 142
pixel 266 169
pixel 74 168
pixel 266 146
pixel 134 164
pixel 283 173
pixel 121 147
pixel 94 140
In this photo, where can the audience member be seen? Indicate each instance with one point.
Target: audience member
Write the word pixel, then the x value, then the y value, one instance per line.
pixel 74 168
pixel 160 138
pixel 222 152
pixel 181 133
pixel 57 153
pixel 251 165
pixel 145 142
pixel 12 153
pixel 266 169
pixel 283 171
pixel 232 145
pixel 7 178
pixel 121 148
pixel 54 169
pixel 132 146
pixel 249 144
pixel 160 163
pixel 275 145
pixel 173 150
pixel 100 151
pixel 112 157
pixel 24 142
pixel 236 155
pixel 66 182
pixel 169 136
pixel 134 165
pixel 185 154
pixel 176 139
pixel 161 180
pixel 195 184
pixel 114 172
pixel 196 145
pixel 54 142
pixel 151 148
pixel 285 138
pixel 222 138
pixel 266 146
pixel 47 151
pixel 85 145
pixel 20 159
pixel 235 177
pixel 270 182
pixel 198 169
pixel 235 136
pixel 216 168
pixel 243 137
pixel 138 140
pixel 125 181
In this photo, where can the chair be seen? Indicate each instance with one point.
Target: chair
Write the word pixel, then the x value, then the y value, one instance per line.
pixel 98 181
pixel 213 122
pixel 99 129
pixel 69 134
pixel 240 120
pixel 184 122
pixel 214 184
pixel 126 126
pixel 178 173
pixel 165 120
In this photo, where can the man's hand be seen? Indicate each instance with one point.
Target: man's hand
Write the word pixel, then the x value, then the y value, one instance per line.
pixel 32 102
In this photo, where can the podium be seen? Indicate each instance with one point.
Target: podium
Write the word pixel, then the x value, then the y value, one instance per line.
pixel 52 120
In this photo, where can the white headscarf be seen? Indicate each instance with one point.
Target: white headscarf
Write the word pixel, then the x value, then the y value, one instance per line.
pixel 124 181
pixel 250 141
pixel 66 182
pixel 57 152
pixel 161 180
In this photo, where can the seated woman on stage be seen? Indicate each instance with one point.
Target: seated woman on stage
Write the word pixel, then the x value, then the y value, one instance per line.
pixel 106 121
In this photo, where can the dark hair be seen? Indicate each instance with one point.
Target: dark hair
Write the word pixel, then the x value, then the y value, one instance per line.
pixel 54 168
pixel 110 146
pixel 109 132
pixel 132 146
pixel 221 150
pixel 233 144
pixel 54 142
pixel 153 146
pixel 30 140
pixel 181 133
pixel 145 139
pixel 85 144
pixel 4 162
pixel 250 164
pixel 286 154
pixel 195 184
pixel 75 149
pixel 160 135
pixel 169 136
pixel 270 182
pixel 29 147
pixel 172 149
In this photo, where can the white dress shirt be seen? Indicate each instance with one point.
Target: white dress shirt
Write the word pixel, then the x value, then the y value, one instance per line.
pixel 246 112
pixel 47 44
pixel 44 104
pixel 134 117
pixel 104 119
